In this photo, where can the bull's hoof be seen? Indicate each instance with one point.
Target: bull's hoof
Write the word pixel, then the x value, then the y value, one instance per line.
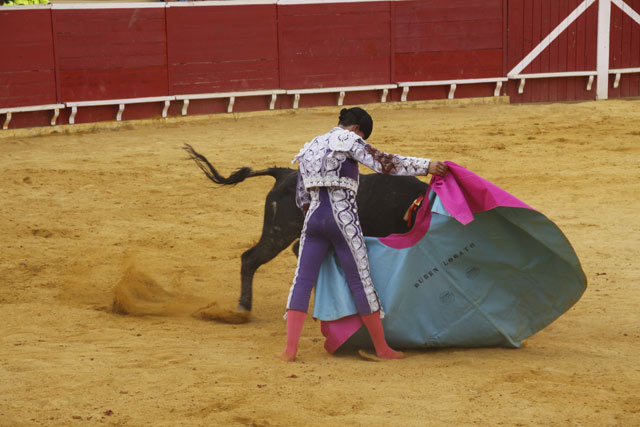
pixel 221 314
pixel 243 308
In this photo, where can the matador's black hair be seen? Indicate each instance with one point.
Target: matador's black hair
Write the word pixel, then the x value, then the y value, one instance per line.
pixel 357 116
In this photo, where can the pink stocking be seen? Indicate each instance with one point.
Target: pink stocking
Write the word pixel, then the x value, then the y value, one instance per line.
pixel 374 325
pixel 295 321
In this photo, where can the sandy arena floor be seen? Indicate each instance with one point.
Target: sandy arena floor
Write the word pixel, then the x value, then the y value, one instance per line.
pixel 85 211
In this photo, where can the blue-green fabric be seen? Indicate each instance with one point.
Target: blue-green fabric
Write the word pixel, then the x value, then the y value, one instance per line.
pixel 493 282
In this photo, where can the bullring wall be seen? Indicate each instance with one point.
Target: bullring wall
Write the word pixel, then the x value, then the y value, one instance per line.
pixel 59 54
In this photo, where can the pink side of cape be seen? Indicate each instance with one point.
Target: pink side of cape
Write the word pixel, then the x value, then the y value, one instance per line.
pixel 337 332
pixel 462 193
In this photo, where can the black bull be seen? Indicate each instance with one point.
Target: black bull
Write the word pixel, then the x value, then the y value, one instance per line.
pixel 382 202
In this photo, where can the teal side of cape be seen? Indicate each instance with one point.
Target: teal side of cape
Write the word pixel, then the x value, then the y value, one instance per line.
pixel 493 282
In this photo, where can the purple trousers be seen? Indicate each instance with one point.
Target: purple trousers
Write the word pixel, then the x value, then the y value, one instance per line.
pixel 332 222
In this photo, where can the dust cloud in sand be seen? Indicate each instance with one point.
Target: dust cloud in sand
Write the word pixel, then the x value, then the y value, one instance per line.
pixel 139 294
pixel 75 200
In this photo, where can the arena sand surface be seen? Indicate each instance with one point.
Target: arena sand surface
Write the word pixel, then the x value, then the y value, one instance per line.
pixel 91 209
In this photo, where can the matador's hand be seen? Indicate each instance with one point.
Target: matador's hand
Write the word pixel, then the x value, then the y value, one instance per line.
pixel 438 168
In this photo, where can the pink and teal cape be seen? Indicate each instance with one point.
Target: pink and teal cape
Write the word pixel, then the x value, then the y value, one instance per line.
pixel 478 268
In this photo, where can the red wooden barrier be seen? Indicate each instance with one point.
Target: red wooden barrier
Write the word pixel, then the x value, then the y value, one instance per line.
pixel 332 45
pixel 111 54
pixel 624 51
pixel 27 68
pixel 439 40
pixel 436 40
pixel 223 49
pixel 530 21
pixel 92 53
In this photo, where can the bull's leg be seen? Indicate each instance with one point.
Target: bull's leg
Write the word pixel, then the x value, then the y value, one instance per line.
pixel 264 251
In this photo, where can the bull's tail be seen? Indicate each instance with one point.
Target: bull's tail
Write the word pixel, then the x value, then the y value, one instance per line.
pixel 237 176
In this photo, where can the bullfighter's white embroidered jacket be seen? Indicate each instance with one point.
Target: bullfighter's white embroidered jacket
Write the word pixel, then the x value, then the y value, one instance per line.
pixel 331 160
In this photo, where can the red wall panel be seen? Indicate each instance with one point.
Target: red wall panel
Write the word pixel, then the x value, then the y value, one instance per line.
pixel 222 48
pixel 529 22
pixel 625 51
pixel 435 40
pixel 337 44
pixel 75 54
pixel 438 65
pixel 27 68
pixel 110 53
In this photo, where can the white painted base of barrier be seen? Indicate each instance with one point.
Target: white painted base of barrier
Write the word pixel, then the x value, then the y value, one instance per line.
pixel 121 103
pixel 9 112
pixel 232 97
pixel 341 91
pixel 453 84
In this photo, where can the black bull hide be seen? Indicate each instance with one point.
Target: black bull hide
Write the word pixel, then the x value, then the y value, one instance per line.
pixel 382 202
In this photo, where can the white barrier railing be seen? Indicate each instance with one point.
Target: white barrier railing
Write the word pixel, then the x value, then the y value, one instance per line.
pixel 273 93
pixel 590 74
pixel 619 72
pixel 9 112
pixel 121 104
pixel 341 91
pixel 232 97
pixel 523 77
pixel 453 84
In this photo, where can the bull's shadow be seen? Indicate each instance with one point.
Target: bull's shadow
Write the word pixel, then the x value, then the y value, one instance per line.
pixel 382 202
